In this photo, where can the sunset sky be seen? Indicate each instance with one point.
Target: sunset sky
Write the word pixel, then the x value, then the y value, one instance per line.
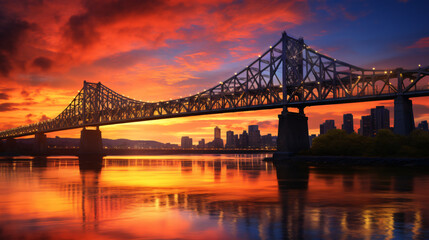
pixel 161 49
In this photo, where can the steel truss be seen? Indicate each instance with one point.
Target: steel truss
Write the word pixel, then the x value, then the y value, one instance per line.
pixel 288 68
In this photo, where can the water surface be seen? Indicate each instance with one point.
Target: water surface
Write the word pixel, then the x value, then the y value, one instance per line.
pixel 208 197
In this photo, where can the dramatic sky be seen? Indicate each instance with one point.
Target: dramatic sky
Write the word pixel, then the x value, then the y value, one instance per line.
pixel 161 49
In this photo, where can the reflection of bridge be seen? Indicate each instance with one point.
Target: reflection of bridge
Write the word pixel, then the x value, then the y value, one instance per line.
pixel 288 74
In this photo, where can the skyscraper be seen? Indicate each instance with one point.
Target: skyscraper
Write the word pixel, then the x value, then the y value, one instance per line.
pixel 348 123
pixel 230 140
pixel 366 126
pixel 380 119
pixel 267 141
pixel 326 126
pixel 202 143
pixel 254 136
pixel 186 142
pixel 217 142
pixel 244 140
pixel 217 133
pixel 423 125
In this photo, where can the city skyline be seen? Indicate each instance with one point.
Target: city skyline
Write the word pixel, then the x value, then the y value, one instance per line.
pixel 251 138
pixel 52 52
pixel 378 118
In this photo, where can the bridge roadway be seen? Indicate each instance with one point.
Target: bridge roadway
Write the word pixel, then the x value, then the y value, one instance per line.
pixel 289 74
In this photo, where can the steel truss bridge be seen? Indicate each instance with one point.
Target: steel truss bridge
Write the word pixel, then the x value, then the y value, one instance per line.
pixel 289 74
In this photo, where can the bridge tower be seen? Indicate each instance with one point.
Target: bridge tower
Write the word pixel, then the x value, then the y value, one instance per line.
pixel 293 127
pixel 90 139
pixel 403 115
pixel 40 147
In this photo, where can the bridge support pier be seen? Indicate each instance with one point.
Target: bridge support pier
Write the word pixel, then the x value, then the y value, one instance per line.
pixel 90 142
pixel 292 133
pixel 403 116
pixel 40 144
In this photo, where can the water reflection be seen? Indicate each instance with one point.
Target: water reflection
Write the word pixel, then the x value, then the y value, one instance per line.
pixel 212 197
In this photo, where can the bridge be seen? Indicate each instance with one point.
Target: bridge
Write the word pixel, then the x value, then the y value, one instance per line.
pixel 290 74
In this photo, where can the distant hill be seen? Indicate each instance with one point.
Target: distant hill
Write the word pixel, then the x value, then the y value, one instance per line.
pixel 110 143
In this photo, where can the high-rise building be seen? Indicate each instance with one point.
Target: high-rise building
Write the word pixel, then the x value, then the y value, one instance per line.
pixel 217 133
pixel 423 125
pixel 326 126
pixel 202 143
pixel 244 140
pixel 348 123
pixel 217 142
pixel 186 142
pixel 267 141
pixel 380 119
pixel 366 126
pixel 236 141
pixel 254 136
pixel 229 139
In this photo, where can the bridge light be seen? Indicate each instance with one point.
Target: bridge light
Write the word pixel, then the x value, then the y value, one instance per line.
pixel 235 73
pixel 316 51
pixel 259 55
pixel 420 65
pixel 335 59
pixel 220 82
pixel 412 80
pixel 358 77
pixel 281 86
pixel 318 82
pixel 271 46
pixel 373 68
pixel 385 72
pixel 390 71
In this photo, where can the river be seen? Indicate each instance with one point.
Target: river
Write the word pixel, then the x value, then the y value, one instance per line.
pixel 208 197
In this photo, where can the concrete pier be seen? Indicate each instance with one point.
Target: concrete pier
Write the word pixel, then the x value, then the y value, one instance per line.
pixel 292 133
pixel 90 142
pixel 40 147
pixel 404 117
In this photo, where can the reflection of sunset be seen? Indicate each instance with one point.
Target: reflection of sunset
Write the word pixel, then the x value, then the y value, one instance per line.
pixel 220 197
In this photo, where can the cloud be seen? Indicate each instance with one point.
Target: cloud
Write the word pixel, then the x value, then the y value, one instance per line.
pixel 4 96
pixel 12 32
pixel 5 107
pixel 43 118
pixel 25 93
pixel 43 63
pixel 5 65
pixel 421 43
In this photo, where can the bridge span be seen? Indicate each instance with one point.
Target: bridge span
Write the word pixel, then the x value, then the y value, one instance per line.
pixel 290 74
